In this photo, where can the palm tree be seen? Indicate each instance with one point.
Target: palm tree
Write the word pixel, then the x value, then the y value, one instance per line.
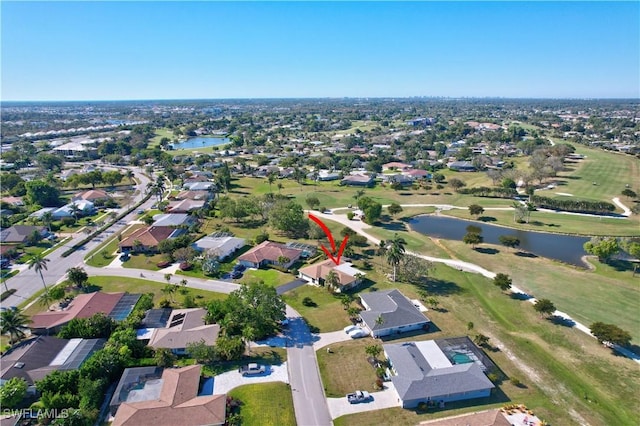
pixel 249 334
pixel 13 323
pixel 271 178
pixel 38 263
pixel 395 252
pixel 332 280
pixel 359 193
pixel 130 176
pixel 46 219
pixel 46 299
pixel 74 211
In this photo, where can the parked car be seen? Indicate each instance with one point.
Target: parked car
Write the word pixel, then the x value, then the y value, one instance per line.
pixel 239 267
pixel 350 328
pixel 252 369
pixel 140 211
pixel 236 274
pixel 358 396
pixel 357 333
pixel 124 257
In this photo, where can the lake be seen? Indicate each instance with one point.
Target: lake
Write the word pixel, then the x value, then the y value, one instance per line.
pixel 565 248
pixel 200 142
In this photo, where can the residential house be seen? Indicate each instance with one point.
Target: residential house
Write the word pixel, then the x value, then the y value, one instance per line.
pixel 348 276
pixel 223 247
pixel 267 253
pixel 20 234
pixel 404 180
pixel 185 206
pixel 84 306
pixel 173 220
pixel 390 312
pixel 418 174
pixel 462 166
pixel 358 180
pixel 199 186
pixel 194 195
pixel 183 327
pixel 35 358
pixel 14 201
pixel 325 175
pixel 173 399
pixel 146 239
pixel 82 208
pixel 434 371
pixel 91 195
pixel 395 165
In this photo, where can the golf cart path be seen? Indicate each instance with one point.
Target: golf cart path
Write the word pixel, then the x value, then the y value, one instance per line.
pixel 360 227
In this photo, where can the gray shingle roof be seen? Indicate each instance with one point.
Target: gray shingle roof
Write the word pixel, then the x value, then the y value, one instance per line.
pixel 395 309
pixel 418 379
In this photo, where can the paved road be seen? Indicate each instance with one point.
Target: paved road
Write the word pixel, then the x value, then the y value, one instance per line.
pixel 309 400
pixel 27 282
pixel 290 286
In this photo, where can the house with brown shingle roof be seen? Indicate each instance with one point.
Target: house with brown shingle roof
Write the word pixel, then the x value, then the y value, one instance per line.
pixel 348 276
pixel 82 306
pixel 91 195
pixel 176 403
pixel 149 238
pixel 395 165
pixel 267 253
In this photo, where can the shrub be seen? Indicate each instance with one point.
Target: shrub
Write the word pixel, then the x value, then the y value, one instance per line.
pixel 163 264
pixel 6 294
pixel 422 407
pixel 350 215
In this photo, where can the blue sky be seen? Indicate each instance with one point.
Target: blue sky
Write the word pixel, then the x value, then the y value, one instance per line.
pixel 167 50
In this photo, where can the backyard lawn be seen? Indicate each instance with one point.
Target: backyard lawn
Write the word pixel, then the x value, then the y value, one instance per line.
pixel 265 404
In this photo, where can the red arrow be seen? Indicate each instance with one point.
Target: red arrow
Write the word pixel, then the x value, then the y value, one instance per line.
pixel 326 230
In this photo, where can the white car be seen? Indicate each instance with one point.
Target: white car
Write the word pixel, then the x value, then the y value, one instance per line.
pixel 350 328
pixel 357 333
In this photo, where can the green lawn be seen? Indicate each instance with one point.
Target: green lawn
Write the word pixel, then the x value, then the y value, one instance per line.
pixel 610 172
pixel 560 223
pixel 265 404
pixel 144 261
pixel 270 277
pixel 611 296
pixel 328 315
pixel 567 363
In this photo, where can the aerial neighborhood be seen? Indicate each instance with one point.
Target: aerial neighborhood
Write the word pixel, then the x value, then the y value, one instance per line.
pixel 388 262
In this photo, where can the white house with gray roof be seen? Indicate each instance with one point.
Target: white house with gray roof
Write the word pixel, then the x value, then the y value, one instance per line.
pixel 423 372
pixel 390 312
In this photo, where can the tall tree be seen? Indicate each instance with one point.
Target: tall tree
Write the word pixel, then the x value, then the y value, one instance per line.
pixel 509 241
pixel 609 333
pixel 476 210
pixel 38 263
pixel 395 252
pixel 544 307
pixel 603 247
pixel 503 281
pixel 78 276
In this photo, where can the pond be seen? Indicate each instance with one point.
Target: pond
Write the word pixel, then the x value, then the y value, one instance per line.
pixel 200 142
pixel 565 248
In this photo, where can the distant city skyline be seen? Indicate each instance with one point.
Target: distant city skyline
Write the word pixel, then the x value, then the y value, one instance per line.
pixel 81 51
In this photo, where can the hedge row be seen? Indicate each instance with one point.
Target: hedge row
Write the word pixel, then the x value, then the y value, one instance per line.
pixel 483 191
pixel 577 206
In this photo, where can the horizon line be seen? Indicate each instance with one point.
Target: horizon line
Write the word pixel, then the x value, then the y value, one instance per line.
pixel 586 98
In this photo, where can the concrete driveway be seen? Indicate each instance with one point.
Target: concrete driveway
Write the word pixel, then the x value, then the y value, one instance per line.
pixel 330 338
pixel 223 383
pixel 386 398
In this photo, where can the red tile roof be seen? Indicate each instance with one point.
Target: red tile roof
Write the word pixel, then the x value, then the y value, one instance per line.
pixel 271 251
pixel 149 236
pixel 178 404
pixel 82 306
